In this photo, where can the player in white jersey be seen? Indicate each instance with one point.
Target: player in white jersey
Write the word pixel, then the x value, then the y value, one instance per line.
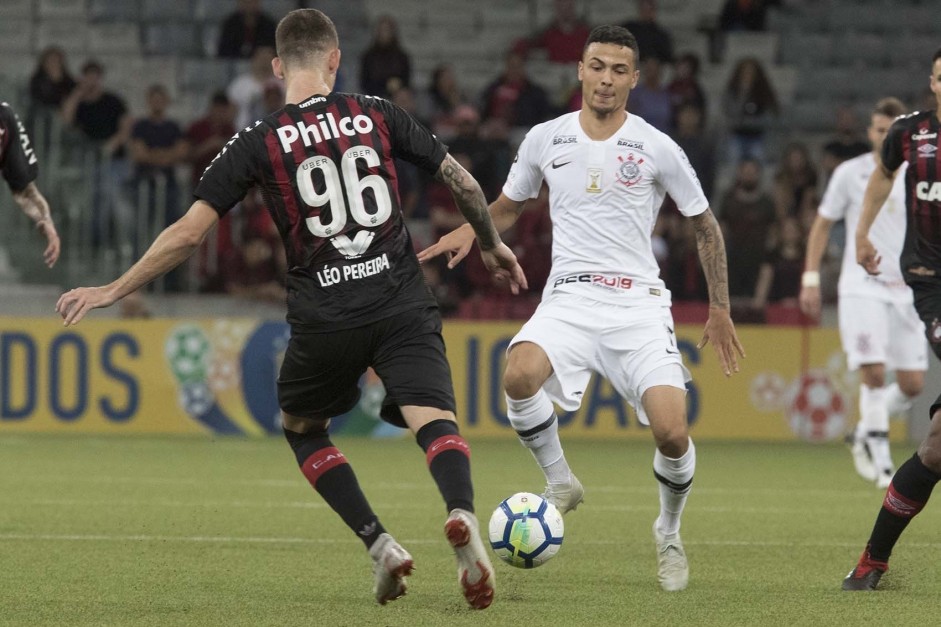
pixel 604 308
pixel 879 327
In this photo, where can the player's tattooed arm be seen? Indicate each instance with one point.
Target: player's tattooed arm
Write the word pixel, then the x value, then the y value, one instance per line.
pixel 470 200
pixel 711 248
pixel 33 204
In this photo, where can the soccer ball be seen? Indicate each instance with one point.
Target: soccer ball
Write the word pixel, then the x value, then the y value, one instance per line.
pixel 526 530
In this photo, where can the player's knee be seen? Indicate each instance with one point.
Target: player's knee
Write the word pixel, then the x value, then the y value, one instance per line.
pixel 874 379
pixel 912 387
pixel 930 454
pixel 674 441
pixel 297 424
pixel 520 383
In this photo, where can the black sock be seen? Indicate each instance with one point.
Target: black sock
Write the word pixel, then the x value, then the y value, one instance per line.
pixel 907 494
pixel 449 462
pixel 332 476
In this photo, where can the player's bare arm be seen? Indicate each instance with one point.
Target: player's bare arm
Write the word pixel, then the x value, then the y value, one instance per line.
pixel 877 191
pixel 171 248
pixel 34 205
pixel 810 280
pixel 470 200
pixel 497 256
pixel 719 328
pixel 456 244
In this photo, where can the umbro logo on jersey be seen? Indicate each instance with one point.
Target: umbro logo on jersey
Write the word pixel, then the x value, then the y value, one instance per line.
pixel 926 150
pixel 313 100
pixel 556 165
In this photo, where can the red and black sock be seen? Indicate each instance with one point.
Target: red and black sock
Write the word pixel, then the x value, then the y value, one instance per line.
pixel 332 476
pixel 449 462
pixel 907 494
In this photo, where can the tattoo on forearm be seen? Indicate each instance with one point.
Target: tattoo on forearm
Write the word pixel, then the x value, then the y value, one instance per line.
pixel 711 248
pixel 470 200
pixel 33 204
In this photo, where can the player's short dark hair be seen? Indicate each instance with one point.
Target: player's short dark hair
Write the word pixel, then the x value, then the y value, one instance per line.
pixel 304 33
pixel 889 107
pixel 611 34
pixel 937 55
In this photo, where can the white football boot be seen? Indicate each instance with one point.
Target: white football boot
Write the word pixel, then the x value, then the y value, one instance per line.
pixel 672 566
pixel 390 565
pixel 862 457
pixel 475 573
pixel 881 460
pixel 565 496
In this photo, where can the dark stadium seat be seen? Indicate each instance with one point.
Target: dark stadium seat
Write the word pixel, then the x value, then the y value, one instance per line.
pixel 114 10
pixel 153 10
pixel 174 38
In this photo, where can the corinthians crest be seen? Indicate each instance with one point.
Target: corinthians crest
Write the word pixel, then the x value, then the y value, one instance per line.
pixel 629 171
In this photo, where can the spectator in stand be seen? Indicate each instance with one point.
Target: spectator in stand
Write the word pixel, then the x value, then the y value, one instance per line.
pixel 747 216
pixel 205 138
pixel 490 155
pixel 254 263
pixel 564 38
pixel 515 99
pixel 795 183
pixel 748 15
pixel 750 106
pixel 245 31
pixel 100 115
pixel 207 135
pixel 272 96
pixel 650 100
pixel 685 88
pixel 653 39
pixel 51 82
pixel 439 102
pixel 103 118
pixel 847 141
pixel 385 65
pixel 411 179
pixel 779 277
pixel 247 90
pixel 698 144
pixel 157 147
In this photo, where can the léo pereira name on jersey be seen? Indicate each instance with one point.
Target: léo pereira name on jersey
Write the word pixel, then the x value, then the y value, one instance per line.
pixel 331 275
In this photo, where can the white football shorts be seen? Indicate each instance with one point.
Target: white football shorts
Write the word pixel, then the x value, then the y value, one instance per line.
pixel 879 332
pixel 632 347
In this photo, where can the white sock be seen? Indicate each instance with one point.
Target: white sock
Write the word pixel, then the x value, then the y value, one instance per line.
pixel 873 411
pixel 874 423
pixel 675 477
pixel 896 401
pixel 537 427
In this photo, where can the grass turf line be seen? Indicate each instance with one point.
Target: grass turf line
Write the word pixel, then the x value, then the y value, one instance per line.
pixel 196 531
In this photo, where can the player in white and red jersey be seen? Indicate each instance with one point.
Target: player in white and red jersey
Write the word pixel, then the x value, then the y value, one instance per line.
pixel 879 326
pixel 604 308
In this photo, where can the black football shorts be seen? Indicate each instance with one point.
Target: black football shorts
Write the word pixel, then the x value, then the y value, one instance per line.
pixel 321 371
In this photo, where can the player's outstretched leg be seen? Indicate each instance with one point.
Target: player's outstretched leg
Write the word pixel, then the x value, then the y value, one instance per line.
pixel 328 471
pixel 448 457
pixel 675 478
pixel 537 426
pixel 907 495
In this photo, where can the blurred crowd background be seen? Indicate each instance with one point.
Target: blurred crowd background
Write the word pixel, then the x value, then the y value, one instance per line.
pixel 127 102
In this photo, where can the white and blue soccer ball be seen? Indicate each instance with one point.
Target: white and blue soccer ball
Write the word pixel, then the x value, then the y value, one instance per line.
pixel 526 530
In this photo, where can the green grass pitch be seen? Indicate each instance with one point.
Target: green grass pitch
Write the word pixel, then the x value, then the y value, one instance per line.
pixel 199 531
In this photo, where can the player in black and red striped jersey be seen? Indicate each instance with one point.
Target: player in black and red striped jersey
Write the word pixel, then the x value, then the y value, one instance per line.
pixel 916 139
pixel 356 297
pixel 19 168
